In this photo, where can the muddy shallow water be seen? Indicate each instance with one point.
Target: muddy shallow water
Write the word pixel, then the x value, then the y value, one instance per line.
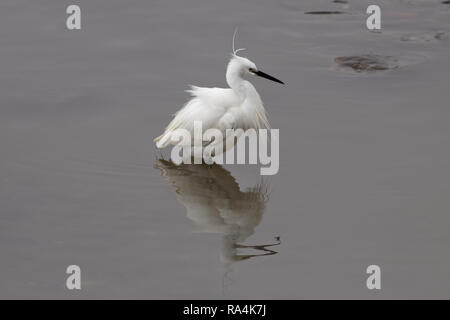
pixel 364 156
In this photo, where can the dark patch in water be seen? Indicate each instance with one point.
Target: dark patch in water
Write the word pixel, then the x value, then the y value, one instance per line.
pixel 367 62
pixel 446 2
pixel 340 1
pixel 324 12
pixel 440 34
pixel 437 35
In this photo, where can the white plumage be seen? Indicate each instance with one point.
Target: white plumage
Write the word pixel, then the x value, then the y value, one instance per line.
pixel 237 107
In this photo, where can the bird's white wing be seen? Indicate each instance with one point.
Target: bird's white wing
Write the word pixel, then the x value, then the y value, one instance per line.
pixel 208 105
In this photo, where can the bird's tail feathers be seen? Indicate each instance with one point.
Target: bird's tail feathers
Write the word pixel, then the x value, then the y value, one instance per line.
pixel 163 140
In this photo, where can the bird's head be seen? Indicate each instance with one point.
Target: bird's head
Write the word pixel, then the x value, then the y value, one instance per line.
pixel 242 66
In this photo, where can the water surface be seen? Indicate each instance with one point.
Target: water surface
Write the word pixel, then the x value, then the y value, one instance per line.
pixel 364 168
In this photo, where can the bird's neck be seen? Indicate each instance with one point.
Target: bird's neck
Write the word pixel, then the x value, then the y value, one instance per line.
pixel 243 88
pixel 250 98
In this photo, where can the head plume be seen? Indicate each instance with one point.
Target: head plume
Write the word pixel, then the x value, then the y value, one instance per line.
pixel 240 49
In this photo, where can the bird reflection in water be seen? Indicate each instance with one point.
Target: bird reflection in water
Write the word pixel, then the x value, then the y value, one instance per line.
pixel 216 204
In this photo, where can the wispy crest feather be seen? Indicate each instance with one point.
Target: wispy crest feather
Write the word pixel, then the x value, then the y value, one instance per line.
pixel 234 36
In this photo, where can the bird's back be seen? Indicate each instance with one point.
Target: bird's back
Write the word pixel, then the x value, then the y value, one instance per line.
pixel 215 97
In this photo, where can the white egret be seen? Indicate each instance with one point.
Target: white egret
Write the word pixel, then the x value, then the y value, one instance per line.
pixel 237 107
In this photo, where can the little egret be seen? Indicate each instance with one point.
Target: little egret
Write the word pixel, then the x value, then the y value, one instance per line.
pixel 237 107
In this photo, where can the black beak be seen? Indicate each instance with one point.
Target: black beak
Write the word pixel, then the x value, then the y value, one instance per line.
pixel 265 75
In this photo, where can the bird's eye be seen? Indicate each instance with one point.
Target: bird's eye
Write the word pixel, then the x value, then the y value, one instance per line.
pixel 251 69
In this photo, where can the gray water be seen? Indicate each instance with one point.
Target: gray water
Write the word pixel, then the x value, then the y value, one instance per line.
pixel 364 157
